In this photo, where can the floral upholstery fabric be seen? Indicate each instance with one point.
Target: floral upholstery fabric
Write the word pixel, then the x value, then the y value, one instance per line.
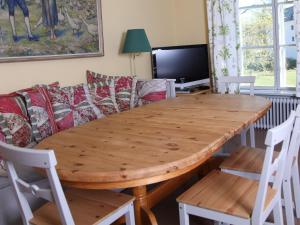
pixel 150 91
pixel 14 121
pixel 2 167
pixel 103 97
pixel 124 88
pixel 72 106
pixel 3 172
pixel 40 112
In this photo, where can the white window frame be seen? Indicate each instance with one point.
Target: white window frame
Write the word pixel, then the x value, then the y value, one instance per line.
pixel 276 47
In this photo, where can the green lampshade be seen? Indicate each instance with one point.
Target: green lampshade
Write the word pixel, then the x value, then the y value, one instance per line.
pixel 136 41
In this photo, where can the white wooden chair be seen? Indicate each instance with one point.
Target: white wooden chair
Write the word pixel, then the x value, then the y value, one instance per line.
pixel 78 207
pixel 237 200
pixel 248 162
pixel 223 85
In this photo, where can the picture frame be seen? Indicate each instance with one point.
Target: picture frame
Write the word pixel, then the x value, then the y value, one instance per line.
pixel 59 29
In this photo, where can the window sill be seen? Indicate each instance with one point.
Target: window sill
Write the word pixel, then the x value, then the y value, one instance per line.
pixel 288 93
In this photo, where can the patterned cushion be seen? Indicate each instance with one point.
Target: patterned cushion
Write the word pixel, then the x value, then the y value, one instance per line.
pixel 40 111
pixel 124 88
pixel 3 172
pixel 72 106
pixel 150 91
pixel 103 97
pixel 2 168
pixel 14 121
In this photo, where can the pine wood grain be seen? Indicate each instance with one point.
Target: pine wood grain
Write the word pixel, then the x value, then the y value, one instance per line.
pixel 87 207
pixel 246 159
pixel 152 143
pixel 226 193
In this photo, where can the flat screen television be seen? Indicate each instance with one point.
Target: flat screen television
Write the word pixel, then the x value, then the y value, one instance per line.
pixel 187 64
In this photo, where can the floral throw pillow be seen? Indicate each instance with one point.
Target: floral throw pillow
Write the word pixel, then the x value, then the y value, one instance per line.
pixel 14 121
pixel 150 91
pixel 40 112
pixel 124 88
pixel 103 97
pixel 72 106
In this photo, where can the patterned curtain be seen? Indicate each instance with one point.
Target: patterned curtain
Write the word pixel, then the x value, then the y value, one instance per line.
pixel 224 39
pixel 297 30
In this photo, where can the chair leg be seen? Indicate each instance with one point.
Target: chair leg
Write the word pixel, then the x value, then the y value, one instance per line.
pixel 252 136
pixel 130 220
pixel 183 215
pixel 277 211
pixel 288 202
pixel 296 187
pixel 244 137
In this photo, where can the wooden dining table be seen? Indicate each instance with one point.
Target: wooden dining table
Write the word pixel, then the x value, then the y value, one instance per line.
pixel 160 143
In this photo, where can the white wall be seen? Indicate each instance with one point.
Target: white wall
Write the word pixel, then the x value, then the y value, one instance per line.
pixel 160 19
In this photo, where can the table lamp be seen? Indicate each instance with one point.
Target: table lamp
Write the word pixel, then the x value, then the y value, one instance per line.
pixel 136 42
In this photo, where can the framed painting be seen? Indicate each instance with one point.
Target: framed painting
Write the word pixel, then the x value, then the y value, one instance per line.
pixel 50 29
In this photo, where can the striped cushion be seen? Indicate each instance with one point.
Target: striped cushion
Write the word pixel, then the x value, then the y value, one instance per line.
pixel 40 112
pixel 124 88
pixel 72 106
pixel 103 97
pixel 150 91
pixel 14 121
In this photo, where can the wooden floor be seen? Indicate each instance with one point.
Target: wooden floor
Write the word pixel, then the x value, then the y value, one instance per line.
pixel 167 211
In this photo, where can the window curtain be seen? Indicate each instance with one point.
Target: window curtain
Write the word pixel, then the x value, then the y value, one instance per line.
pixel 297 30
pixel 224 40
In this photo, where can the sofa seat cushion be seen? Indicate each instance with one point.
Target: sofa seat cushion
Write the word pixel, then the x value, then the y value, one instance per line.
pixel 26 173
pixel 124 88
pixel 103 97
pixel 4 182
pixel 150 91
pixel 72 106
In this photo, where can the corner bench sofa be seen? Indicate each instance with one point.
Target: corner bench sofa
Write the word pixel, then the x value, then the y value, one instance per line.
pixel 9 210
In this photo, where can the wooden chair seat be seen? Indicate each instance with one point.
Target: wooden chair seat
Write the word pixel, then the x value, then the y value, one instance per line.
pixel 87 207
pixel 225 193
pixel 246 159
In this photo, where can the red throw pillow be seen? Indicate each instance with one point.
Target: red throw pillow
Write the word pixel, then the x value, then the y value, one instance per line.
pixel 124 88
pixel 72 106
pixel 150 91
pixel 103 97
pixel 14 121
pixel 40 111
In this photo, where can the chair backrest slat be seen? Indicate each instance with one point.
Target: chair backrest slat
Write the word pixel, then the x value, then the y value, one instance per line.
pixel 27 157
pixel 225 81
pixel 43 159
pixel 278 135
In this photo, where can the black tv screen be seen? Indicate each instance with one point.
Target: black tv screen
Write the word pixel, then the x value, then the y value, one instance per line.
pixel 183 63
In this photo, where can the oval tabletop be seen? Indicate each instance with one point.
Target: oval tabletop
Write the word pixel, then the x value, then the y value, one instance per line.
pixel 152 143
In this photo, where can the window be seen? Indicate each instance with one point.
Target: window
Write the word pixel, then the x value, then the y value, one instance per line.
pixel 268 42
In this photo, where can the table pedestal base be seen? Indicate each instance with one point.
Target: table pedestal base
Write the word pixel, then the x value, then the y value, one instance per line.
pixel 145 200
